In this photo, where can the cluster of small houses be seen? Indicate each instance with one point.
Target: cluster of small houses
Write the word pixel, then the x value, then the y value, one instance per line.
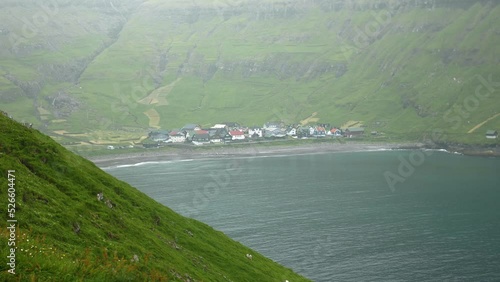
pixel 233 132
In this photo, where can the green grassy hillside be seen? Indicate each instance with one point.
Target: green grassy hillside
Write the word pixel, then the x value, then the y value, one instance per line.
pixel 98 69
pixel 64 233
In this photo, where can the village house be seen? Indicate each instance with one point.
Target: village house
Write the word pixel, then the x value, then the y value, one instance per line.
pixel 291 131
pixel 217 138
pixel 334 132
pixel 303 132
pixel 271 126
pixel 219 131
pixel 274 133
pixel 325 125
pixel 268 134
pixel 191 127
pixel 217 135
pixel 201 139
pixel 201 131
pixel 227 138
pixel 279 133
pixel 354 132
pixel 319 131
pixel 491 134
pixel 255 132
pixel 237 135
pixel 177 137
pixel 159 136
pixel 311 130
pixel 220 126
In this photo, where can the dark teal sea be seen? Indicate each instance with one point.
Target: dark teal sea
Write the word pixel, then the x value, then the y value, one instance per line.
pixel 365 216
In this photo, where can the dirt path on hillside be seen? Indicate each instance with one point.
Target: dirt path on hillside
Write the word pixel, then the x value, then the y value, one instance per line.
pixel 159 95
pixel 154 118
pixel 310 119
pixel 483 123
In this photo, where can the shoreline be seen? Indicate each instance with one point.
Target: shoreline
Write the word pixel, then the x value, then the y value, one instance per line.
pixel 247 150
pixel 244 150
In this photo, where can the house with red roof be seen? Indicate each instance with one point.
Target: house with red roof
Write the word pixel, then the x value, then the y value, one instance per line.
pixel 201 131
pixel 237 135
pixel 335 132
pixel 319 131
pixel 177 137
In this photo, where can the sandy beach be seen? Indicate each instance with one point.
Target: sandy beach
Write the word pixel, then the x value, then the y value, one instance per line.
pixel 242 150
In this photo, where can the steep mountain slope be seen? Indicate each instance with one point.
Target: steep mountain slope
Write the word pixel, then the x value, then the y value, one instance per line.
pixel 66 232
pixel 401 67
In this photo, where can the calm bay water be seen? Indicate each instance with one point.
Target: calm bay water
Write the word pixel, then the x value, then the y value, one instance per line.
pixel 333 217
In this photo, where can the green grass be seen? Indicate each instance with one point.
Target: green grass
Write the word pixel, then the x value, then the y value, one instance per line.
pixel 56 192
pixel 268 66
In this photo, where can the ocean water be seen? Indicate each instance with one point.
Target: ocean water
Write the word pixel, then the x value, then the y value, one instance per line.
pixel 336 217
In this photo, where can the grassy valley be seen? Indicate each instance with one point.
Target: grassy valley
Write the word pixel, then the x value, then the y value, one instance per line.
pixel 105 72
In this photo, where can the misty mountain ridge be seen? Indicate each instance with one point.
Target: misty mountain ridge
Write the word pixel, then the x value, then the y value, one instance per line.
pixel 99 68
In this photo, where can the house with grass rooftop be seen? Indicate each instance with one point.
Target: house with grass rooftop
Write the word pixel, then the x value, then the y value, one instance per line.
pixel 354 132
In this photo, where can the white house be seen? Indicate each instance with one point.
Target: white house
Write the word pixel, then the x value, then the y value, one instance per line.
pixel 292 132
pixel 220 126
pixel 255 131
pixel 491 134
pixel 270 126
pixel 311 130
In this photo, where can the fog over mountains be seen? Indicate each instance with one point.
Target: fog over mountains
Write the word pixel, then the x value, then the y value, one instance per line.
pixel 100 68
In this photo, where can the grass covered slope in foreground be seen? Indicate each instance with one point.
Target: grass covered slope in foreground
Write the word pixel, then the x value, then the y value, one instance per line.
pixel 65 233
